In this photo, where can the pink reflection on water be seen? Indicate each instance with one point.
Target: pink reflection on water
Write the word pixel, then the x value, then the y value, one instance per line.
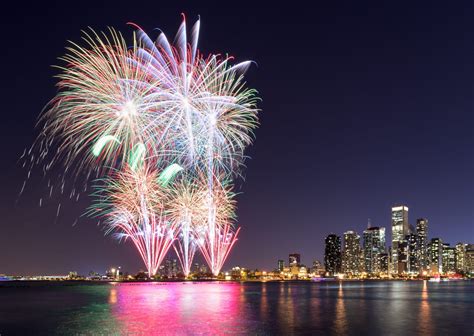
pixel 178 308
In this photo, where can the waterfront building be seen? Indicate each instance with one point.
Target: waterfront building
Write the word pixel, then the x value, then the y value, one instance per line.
pixel 422 246
pixel 171 268
pixel 460 257
pixel 294 259
pixel 332 254
pixel 449 259
pixel 383 262
pixel 413 253
pixel 436 254
pixel 373 246
pixel 281 265
pixel 469 259
pixel 402 257
pixel 400 229
pixel 350 253
pixel 318 268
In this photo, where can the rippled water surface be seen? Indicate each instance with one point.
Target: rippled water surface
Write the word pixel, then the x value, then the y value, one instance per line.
pixel 354 308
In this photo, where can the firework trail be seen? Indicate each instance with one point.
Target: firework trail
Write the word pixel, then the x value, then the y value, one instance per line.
pixel 213 116
pixel 125 113
pixel 218 235
pixel 101 115
pixel 209 112
pixel 134 205
pixel 187 208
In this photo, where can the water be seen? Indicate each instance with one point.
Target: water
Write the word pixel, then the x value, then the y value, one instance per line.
pixel 282 308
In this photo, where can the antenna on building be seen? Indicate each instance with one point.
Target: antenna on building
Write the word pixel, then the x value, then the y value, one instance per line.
pixel 369 224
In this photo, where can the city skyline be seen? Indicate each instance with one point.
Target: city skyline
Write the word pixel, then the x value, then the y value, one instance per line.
pixel 375 111
pixel 378 237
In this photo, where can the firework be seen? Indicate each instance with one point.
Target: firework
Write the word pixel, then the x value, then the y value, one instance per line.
pixel 102 112
pixel 213 119
pixel 210 114
pixel 217 236
pixel 133 204
pixel 165 129
pixel 187 208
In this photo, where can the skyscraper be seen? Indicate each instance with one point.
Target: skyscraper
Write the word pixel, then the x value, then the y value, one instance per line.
pixel 449 259
pixel 332 254
pixel 422 248
pixel 281 265
pixel 350 253
pixel 400 229
pixel 412 253
pixel 374 246
pixel 461 257
pixel 469 259
pixel 436 256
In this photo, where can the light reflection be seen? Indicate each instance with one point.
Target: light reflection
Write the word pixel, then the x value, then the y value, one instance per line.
pixel 425 311
pixel 211 308
pixel 340 324
pixel 113 296
pixel 264 310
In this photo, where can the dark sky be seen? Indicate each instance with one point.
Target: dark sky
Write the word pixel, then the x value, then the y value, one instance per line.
pixel 365 105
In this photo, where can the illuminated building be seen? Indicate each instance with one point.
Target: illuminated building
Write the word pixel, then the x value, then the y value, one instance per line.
pixel 332 254
pixel 170 268
pixel 449 259
pixel 373 246
pixel 350 253
pixel 318 267
pixel 461 257
pixel 402 256
pixel 281 265
pixel 469 259
pixel 383 262
pixel 436 255
pixel 400 229
pixel 294 259
pixel 114 273
pixel 412 253
pixel 422 246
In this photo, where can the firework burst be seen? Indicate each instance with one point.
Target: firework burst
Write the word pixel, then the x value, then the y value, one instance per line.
pixel 134 205
pixel 165 129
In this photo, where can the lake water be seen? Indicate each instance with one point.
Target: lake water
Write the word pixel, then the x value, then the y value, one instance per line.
pixel 208 308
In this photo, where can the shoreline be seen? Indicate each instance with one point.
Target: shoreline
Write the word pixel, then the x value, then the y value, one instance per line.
pixel 113 282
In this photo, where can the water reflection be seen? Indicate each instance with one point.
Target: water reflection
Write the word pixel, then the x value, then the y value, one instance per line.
pixel 340 323
pixel 113 296
pixel 425 314
pixel 207 308
pixel 260 308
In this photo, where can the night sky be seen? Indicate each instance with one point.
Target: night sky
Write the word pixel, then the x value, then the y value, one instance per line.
pixel 365 105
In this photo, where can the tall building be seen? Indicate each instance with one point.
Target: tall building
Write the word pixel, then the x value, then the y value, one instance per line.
pixel 350 253
pixel 449 259
pixel 281 265
pixel 332 254
pixel 294 259
pixel 383 262
pixel 374 246
pixel 469 259
pixel 422 233
pixel 400 229
pixel 436 256
pixel 412 253
pixel 402 256
pixel 461 257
